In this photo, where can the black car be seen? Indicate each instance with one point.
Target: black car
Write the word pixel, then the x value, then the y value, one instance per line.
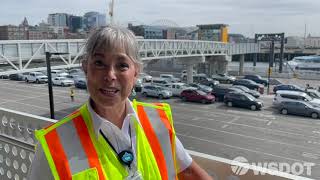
pixel 16 77
pixel 201 87
pixel 242 99
pixel 249 84
pixel 220 91
pixel 80 83
pixel 247 90
pixel 257 79
pixel 203 79
pixel 288 87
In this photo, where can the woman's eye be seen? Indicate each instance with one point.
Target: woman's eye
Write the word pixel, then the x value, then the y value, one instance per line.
pixel 123 66
pixel 98 63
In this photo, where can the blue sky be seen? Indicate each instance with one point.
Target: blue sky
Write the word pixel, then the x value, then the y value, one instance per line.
pixel 244 16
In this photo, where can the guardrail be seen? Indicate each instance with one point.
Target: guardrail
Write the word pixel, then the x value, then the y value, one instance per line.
pixel 17 151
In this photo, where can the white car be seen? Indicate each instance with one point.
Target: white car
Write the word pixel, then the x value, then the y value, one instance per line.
pixel 36 77
pixel 177 88
pixel 282 95
pixel 145 77
pixel 62 81
pixel 170 78
pixel 56 72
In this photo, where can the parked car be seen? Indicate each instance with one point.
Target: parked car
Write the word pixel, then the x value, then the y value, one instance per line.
pixel 176 88
pixel 80 83
pixel 220 91
pixel 197 96
pixel 184 74
pixel 58 72
pixel 242 99
pixel 155 91
pixel 299 108
pixel 201 87
pixel 203 79
pixel 288 87
pixel 247 90
pixel 138 85
pixel 159 81
pixel 170 78
pixel 74 71
pixel 62 81
pixel 294 96
pixel 313 93
pixel 257 79
pixel 223 78
pixel 145 77
pixel 132 95
pixel 17 77
pixel 250 84
pixel 36 77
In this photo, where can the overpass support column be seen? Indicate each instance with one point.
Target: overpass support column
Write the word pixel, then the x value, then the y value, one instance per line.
pixel 190 62
pixel 218 64
pixel 190 73
pixel 241 63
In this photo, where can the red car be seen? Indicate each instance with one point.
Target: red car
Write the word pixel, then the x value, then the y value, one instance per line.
pixel 197 95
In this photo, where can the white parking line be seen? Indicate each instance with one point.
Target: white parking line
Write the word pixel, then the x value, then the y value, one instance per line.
pixel 310 155
pixel 245 136
pixel 245 149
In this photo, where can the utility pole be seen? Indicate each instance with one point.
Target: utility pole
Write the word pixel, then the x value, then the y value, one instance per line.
pixel 111 5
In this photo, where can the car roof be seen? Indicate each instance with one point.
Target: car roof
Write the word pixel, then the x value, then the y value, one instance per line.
pixel 290 92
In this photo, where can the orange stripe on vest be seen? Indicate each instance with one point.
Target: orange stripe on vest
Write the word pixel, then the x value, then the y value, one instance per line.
pixel 87 145
pixel 154 143
pixel 59 157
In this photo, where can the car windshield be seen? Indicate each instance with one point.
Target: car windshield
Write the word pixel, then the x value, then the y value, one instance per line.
pixel 250 97
pixel 201 93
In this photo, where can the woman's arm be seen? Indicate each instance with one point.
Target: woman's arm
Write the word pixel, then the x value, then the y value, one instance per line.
pixel 194 171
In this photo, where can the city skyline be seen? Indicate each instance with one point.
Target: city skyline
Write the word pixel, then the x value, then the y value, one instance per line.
pixel 246 17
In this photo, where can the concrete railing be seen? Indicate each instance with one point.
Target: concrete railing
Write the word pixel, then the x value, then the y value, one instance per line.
pixel 17 151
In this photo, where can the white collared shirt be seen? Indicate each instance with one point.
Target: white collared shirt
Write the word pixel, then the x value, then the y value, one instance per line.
pixel 121 138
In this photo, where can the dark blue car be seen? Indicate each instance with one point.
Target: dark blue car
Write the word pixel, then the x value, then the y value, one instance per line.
pixel 288 87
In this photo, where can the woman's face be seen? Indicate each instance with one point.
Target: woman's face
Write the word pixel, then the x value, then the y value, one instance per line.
pixel 110 77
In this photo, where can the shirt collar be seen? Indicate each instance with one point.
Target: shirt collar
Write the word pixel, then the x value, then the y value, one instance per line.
pixel 97 120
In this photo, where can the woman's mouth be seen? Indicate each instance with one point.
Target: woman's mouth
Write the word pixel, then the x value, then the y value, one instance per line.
pixel 109 91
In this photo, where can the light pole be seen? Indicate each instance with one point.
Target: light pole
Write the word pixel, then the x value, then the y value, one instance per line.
pixel 48 56
pixel 111 5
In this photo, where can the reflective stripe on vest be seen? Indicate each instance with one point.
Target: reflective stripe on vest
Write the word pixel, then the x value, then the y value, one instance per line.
pixel 159 131
pixel 71 148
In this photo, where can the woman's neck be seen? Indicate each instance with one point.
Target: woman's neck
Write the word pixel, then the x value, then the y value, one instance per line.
pixel 114 114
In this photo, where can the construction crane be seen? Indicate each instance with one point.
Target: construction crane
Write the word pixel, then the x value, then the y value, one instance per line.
pixel 111 4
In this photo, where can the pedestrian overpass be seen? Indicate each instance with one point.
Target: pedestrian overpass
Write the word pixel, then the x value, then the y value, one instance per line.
pixel 25 55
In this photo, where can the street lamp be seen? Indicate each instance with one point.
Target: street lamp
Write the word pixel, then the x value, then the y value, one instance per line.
pixel 48 56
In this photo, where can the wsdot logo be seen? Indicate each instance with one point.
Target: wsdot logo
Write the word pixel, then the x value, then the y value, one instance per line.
pixel 238 170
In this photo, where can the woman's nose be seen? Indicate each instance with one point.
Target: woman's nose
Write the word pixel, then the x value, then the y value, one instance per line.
pixel 110 75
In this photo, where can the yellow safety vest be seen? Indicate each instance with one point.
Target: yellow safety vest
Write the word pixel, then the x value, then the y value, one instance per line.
pixel 74 152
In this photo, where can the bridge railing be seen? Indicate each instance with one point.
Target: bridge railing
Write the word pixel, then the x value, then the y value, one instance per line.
pixel 17 151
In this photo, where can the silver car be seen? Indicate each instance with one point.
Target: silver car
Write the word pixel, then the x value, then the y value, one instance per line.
pixel 156 91
pixel 299 108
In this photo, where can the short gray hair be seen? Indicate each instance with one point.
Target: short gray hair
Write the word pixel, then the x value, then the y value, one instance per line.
pixel 110 38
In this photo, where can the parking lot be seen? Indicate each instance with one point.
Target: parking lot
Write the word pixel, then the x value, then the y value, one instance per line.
pixel 214 129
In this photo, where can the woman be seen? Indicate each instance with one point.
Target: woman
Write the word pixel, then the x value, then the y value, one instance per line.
pixel 111 137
